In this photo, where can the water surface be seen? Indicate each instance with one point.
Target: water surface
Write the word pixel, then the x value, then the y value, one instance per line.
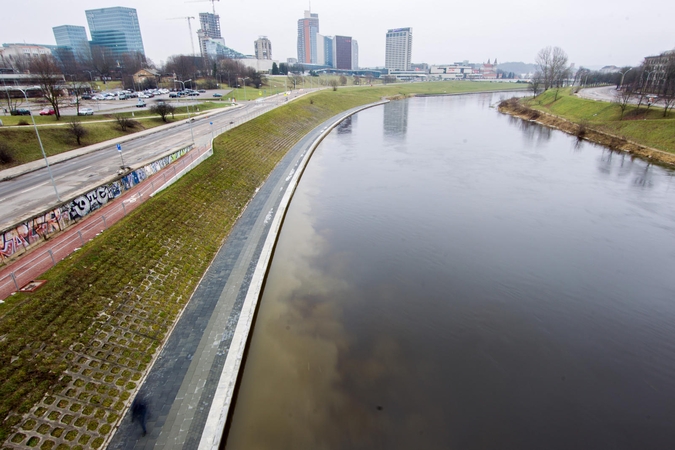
pixel 449 277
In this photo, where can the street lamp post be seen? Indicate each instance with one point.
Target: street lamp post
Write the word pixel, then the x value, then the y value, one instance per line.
pixel 187 106
pixel 58 197
pixel 244 80
pixel 623 75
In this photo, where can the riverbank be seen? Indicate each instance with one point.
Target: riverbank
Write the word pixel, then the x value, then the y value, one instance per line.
pixel 74 351
pixel 642 132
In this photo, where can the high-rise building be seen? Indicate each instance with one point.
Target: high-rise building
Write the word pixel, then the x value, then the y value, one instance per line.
pixel 399 49
pixel 263 48
pixel 115 29
pixel 75 38
pixel 355 55
pixel 308 29
pixel 320 50
pixel 328 52
pixel 342 52
pixel 211 42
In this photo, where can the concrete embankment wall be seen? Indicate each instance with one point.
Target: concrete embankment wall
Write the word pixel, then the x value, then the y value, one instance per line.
pixel 20 237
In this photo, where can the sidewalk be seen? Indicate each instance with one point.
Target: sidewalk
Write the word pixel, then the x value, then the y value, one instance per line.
pixel 36 261
pixel 184 386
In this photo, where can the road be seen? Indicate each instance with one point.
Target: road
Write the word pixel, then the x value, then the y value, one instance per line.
pixel 608 94
pixel 28 194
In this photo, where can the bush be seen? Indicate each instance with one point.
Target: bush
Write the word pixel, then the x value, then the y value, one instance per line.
pixel 22 122
pixel 5 154
pixel 124 122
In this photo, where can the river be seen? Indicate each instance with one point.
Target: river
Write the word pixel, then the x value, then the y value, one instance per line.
pixel 448 277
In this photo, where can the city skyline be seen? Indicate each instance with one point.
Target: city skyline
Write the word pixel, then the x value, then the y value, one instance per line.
pixel 591 34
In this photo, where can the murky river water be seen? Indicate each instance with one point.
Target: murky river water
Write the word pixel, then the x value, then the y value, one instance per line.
pixel 451 278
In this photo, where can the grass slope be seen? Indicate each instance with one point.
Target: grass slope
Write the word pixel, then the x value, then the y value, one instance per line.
pixel 81 342
pixel 646 127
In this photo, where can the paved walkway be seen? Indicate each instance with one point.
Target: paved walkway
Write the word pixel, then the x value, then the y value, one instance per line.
pixel 180 386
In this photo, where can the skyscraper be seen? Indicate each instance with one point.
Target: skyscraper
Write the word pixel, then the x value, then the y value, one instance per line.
pixel 209 34
pixel 75 38
pixel 355 55
pixel 263 48
pixel 342 53
pixel 399 49
pixel 116 29
pixel 308 28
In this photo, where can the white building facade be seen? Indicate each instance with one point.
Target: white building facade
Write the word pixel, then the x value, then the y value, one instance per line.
pixel 398 54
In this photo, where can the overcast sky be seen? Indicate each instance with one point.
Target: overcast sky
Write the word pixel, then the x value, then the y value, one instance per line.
pixel 592 32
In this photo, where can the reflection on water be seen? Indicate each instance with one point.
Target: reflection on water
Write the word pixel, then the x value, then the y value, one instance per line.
pixel 465 290
pixel 345 126
pixel 395 122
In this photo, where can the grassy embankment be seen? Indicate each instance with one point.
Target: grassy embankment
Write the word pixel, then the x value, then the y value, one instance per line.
pixel 643 126
pixel 21 145
pixel 73 352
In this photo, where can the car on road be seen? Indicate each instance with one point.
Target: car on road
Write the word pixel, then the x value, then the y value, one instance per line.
pixel 201 91
pixel 85 112
pixel 47 112
pixel 217 94
pixel 141 103
pixel 20 112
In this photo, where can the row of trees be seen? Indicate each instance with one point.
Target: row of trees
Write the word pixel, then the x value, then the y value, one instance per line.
pixel 647 84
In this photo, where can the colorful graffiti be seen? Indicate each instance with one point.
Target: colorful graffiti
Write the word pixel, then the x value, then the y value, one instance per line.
pixel 21 237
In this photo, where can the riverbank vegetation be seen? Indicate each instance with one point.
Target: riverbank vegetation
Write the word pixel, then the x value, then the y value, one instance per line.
pixel 638 130
pixel 74 351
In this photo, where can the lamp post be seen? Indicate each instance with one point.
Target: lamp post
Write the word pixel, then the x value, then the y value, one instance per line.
pixel 623 75
pixel 58 197
pixel 187 106
pixel 244 80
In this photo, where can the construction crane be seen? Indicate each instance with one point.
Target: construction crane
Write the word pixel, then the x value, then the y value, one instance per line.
pixel 192 39
pixel 213 2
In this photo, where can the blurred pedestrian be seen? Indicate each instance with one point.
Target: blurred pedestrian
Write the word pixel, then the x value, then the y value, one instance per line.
pixel 139 412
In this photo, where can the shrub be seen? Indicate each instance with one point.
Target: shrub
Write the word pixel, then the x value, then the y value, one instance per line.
pixel 22 122
pixel 5 154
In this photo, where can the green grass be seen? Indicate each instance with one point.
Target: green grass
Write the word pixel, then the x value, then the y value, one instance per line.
pixel 647 127
pixel 151 261
pixel 23 146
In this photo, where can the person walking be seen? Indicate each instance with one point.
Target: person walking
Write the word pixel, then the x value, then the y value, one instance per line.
pixel 139 412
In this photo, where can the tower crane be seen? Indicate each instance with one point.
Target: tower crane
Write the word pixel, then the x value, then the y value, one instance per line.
pixel 213 2
pixel 192 39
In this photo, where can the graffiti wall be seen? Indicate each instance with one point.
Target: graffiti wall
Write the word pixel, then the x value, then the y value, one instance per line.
pixel 21 237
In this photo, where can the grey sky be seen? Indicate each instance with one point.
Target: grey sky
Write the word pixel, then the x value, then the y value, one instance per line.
pixel 592 32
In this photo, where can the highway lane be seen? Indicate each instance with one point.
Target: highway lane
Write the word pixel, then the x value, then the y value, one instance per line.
pixel 33 192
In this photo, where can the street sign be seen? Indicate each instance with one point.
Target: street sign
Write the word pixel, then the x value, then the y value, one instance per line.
pixel 119 147
pixel 210 123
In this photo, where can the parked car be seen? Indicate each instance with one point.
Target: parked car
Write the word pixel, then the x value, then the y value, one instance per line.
pixel 86 97
pixel 174 95
pixel 217 94
pixel 20 112
pixel 47 111
pixel 122 96
pixel 85 112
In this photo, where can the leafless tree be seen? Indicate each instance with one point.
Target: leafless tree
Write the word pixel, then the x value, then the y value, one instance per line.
pixel 125 122
pixel 163 109
pixel 622 98
pixel 334 84
pixel 343 80
pixel 536 83
pixel 50 80
pixel 667 92
pixel 552 64
pixel 77 130
pixel 76 89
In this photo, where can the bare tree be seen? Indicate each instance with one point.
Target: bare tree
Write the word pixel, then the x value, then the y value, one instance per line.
pixel 50 80
pixel 76 89
pixel 667 91
pixel 77 130
pixel 334 84
pixel 343 80
pixel 536 83
pixel 552 64
pixel 163 109
pixel 125 122
pixel 622 98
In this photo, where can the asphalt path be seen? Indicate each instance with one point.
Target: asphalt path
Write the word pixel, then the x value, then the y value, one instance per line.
pixel 608 94
pixel 30 193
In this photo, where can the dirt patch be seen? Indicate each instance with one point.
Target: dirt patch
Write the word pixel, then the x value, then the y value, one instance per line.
pixel 584 131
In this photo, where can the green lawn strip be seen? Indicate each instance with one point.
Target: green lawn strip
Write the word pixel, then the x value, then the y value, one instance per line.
pixel 644 126
pixel 23 146
pixel 139 273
